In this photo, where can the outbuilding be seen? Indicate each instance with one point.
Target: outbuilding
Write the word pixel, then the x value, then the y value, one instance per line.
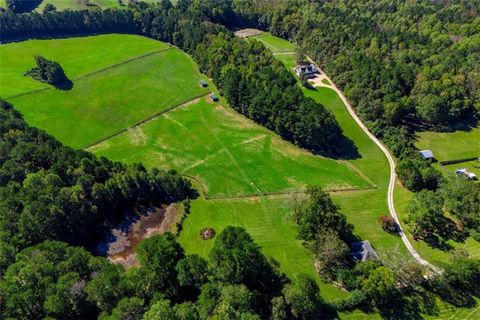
pixel 426 154
pixel 203 83
pixel 363 251
pixel 214 97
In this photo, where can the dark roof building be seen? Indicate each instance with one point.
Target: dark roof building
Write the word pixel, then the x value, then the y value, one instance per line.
pixel 363 251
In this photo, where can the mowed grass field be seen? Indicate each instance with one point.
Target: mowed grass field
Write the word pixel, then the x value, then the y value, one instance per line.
pixel 115 94
pixel 451 145
pixel 364 207
pixel 78 57
pixel 229 154
pixel 85 4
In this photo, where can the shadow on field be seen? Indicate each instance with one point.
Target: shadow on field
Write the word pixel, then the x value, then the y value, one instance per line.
pixel 65 85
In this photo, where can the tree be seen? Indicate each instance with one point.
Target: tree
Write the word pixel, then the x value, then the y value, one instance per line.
pixel 48 71
pixel 388 224
pixel 49 8
pixel 158 256
pixel 426 214
pixel 236 259
pixel 331 254
pixel 319 214
pixel 303 298
pixel 126 309
pixel 380 285
pixel 192 271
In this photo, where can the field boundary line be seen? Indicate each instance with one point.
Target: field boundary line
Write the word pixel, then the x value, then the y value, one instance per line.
pixel 142 56
pixel 146 55
pixel 143 121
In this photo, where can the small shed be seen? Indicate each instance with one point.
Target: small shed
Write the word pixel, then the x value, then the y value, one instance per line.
pixel 214 97
pixel 363 251
pixel 203 83
pixel 426 154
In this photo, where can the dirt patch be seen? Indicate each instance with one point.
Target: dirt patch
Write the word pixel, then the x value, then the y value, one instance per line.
pixel 207 233
pixel 137 136
pixel 122 241
pixel 245 33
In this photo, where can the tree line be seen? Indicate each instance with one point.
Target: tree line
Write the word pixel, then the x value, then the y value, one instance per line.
pixel 394 284
pixel 52 192
pixel 55 280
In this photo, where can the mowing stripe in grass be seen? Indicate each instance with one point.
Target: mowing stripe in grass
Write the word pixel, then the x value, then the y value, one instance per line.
pixel 93 73
pixel 149 118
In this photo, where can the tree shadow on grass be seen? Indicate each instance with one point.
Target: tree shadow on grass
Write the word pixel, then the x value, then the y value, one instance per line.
pixel 448 231
pixel 410 306
pixel 65 85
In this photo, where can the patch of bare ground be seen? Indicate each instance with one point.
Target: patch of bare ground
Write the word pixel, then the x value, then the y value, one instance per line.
pixel 122 242
pixel 245 33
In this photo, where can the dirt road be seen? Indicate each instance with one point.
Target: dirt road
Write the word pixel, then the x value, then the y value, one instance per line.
pixel 391 185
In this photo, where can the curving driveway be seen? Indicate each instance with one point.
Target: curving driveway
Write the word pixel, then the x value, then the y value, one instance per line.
pixel 391 161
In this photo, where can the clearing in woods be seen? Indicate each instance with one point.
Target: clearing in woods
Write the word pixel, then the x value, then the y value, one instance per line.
pixel 227 153
pixel 110 93
pixel 362 213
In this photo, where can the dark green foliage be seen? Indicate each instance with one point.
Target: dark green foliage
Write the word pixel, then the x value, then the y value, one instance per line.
pixel 416 174
pixel 304 299
pixel 462 199
pixel 260 87
pixel 48 280
pixel 47 71
pixel 319 214
pixel 426 214
pixel 53 192
pixel 236 259
pixel 126 309
pixel 460 281
pixel 49 8
pixel 158 257
pixel 19 6
pixel 331 254
pixel 192 271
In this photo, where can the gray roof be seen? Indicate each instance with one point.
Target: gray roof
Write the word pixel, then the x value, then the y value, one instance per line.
pixel 363 251
pixel 426 154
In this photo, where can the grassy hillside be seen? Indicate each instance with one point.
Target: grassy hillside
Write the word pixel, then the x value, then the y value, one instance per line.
pixel 228 153
pixel 78 57
pixel 105 101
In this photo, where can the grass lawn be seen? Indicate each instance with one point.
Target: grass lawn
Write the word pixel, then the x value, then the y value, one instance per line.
pixel 228 153
pixel 86 4
pixel 77 56
pixel 106 102
pixel 451 145
pixel 275 44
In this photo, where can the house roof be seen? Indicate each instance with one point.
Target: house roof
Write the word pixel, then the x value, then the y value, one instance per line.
pixel 202 82
pixel 363 251
pixel 426 154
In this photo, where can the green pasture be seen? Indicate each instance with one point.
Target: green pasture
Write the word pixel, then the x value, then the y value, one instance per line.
pixel 227 153
pixel 108 101
pixel 80 4
pixel 78 57
pixel 363 208
pixel 451 145
pixel 275 44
